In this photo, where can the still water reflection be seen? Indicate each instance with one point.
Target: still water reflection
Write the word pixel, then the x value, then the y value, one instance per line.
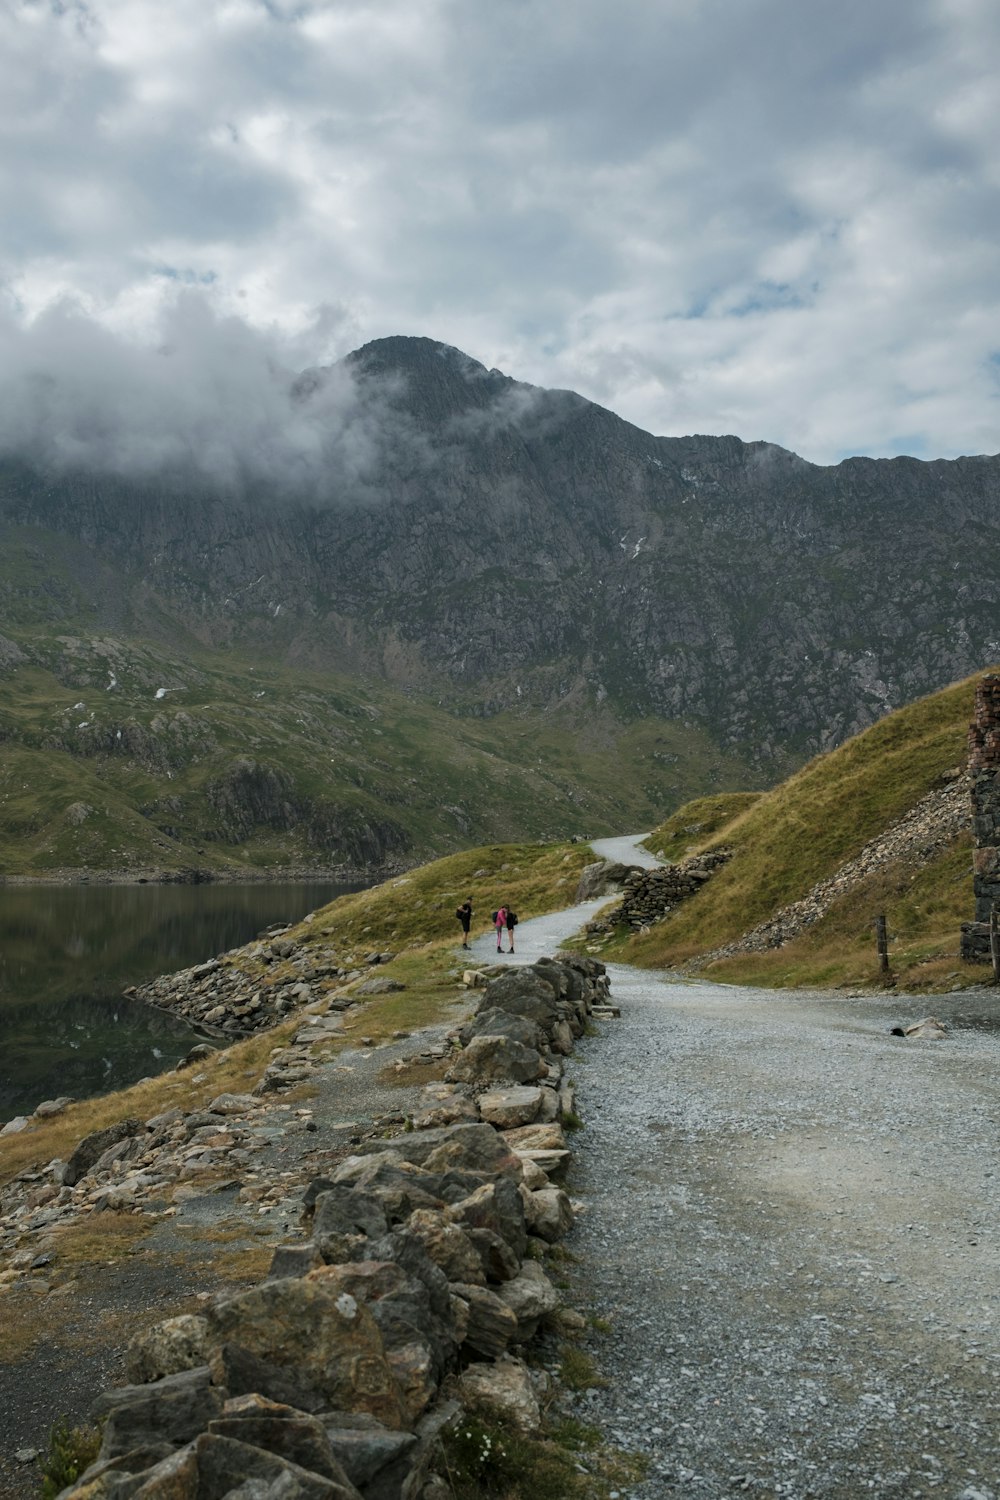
pixel 66 954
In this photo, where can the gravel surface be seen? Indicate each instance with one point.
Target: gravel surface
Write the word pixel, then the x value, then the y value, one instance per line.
pixel 626 851
pixel 790 1225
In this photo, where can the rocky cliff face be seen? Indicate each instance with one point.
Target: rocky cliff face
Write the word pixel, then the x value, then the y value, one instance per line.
pixel 513 547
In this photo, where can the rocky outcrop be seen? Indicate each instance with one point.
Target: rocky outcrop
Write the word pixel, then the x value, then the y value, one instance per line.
pixel 602 876
pixel 250 795
pixel 252 988
pixel 413 1286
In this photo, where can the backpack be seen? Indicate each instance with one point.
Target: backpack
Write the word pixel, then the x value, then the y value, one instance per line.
pixel 493 919
pixel 459 913
pixel 512 919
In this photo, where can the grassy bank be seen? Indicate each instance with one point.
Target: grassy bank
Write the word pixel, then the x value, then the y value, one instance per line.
pixel 802 832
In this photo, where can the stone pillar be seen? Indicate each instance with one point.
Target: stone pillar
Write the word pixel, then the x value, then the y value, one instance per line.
pixel 984 768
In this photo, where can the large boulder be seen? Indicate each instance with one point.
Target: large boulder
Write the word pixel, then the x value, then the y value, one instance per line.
pixel 293 1435
pixel 497 1059
pixel 506 1108
pixel 236 1370
pixel 294 1260
pixel 491 1324
pixel 462 1147
pixel 172 1410
pixel 548 1213
pixel 398 1185
pixel 176 1344
pixel 561 1036
pixel 90 1150
pixel 344 1216
pixel 407 1250
pixel 597 879
pixel 327 1339
pixel 214 1466
pixel 504 1389
pixel 444 1104
pixel 498 1022
pixel 379 1462
pixel 567 981
pixel 497 1206
pixel 447 1245
pixel 496 1257
pixel 531 1297
pixel 417 1343
pixel 522 993
pixel 547 1137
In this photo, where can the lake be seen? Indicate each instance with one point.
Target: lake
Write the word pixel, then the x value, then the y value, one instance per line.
pixel 68 952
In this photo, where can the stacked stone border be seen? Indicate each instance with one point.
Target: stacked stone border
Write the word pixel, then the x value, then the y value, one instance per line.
pixel 984 776
pixel 413 1297
pixel 648 895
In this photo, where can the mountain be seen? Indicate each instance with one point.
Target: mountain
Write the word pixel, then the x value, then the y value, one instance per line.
pixel 504 559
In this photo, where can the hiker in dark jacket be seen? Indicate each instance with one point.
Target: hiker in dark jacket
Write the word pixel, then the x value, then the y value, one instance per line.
pixel 510 920
pixel 464 915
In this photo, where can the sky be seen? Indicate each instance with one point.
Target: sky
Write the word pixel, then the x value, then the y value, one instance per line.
pixel 762 217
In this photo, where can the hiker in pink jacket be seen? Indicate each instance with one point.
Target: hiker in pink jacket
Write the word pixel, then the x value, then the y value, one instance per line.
pixel 500 922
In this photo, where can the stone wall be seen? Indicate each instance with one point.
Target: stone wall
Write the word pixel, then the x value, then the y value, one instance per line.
pixel 984 770
pixel 650 895
pixel 411 1292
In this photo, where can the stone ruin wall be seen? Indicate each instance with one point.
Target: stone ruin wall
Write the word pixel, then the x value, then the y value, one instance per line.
pixel 984 771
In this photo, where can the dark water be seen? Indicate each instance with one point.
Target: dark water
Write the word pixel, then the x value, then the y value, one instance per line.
pixel 66 954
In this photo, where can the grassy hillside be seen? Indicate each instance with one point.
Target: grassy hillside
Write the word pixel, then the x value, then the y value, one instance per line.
pixel 803 831
pixel 124 756
pixel 689 828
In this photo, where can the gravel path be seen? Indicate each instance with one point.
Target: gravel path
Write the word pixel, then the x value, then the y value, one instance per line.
pixel 626 851
pixel 537 937
pixel 790 1225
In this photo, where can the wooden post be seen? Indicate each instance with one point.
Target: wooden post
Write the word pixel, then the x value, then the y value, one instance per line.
pixel 882 944
pixel 995 943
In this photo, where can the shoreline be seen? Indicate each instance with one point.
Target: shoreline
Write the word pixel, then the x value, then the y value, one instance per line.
pixel 360 877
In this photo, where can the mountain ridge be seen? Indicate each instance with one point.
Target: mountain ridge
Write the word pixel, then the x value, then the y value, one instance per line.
pixel 493 548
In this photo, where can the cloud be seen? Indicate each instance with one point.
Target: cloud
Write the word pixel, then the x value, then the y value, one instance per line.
pixel 211 401
pixel 709 215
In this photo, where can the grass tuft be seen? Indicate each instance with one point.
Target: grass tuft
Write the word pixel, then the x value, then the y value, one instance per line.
pixel 71 1451
pixel 577 1371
